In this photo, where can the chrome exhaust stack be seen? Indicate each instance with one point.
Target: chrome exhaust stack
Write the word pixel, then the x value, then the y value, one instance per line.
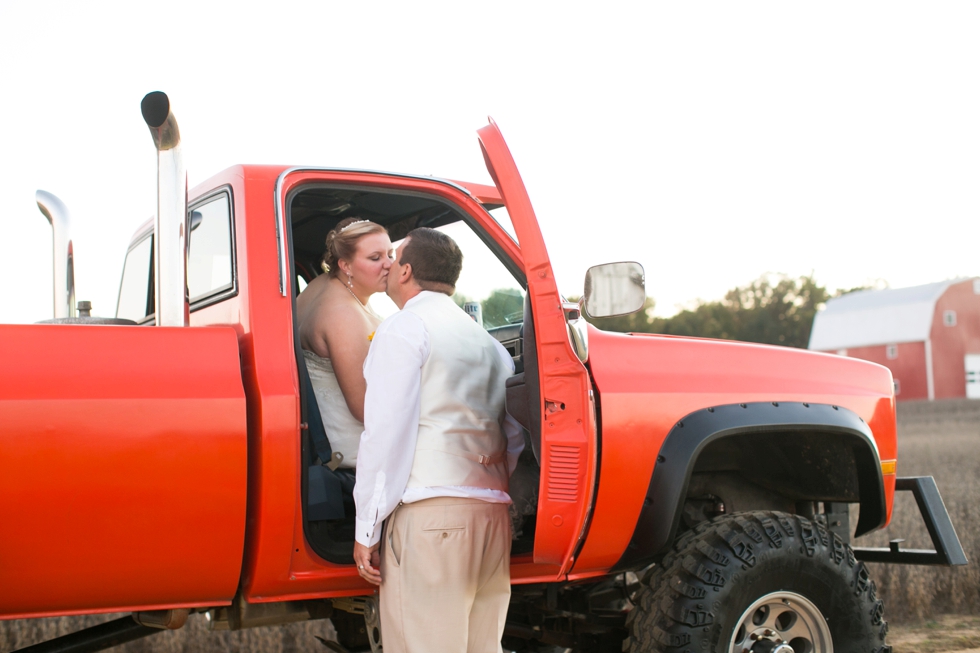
pixel 170 235
pixel 64 258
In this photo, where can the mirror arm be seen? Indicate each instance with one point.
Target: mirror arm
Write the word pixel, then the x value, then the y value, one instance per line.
pixel 572 310
pixel 578 330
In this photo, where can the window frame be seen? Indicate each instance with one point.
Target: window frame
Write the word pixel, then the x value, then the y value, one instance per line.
pixel 213 297
pixel 228 290
pixel 139 240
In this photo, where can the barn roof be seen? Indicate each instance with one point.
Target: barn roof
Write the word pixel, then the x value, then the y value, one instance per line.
pixel 877 317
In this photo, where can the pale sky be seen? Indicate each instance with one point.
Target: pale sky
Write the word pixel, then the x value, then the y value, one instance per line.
pixel 710 141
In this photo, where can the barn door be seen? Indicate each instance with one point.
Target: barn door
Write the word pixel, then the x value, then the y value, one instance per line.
pixel 971 363
pixel 568 446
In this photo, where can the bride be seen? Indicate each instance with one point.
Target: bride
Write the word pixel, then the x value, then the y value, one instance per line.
pixel 336 325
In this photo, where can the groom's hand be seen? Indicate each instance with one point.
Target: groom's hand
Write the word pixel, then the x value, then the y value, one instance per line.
pixel 368 561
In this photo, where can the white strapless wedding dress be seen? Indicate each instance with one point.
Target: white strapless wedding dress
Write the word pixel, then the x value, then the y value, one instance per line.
pixel 343 429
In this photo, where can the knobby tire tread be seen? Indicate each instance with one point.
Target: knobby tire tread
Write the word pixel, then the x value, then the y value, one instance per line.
pixel 676 610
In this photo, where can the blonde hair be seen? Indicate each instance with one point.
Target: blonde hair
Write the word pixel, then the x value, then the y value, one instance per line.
pixel 342 241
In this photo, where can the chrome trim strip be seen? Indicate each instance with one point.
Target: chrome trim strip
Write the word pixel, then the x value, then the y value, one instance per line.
pixel 64 258
pixel 278 199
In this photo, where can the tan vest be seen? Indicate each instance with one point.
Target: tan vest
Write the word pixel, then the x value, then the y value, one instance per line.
pixel 461 440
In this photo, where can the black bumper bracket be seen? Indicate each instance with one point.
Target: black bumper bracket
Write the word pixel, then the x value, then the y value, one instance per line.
pixel 948 551
pixel 95 638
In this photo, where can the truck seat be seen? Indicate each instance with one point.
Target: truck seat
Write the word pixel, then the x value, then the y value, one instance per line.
pixel 328 490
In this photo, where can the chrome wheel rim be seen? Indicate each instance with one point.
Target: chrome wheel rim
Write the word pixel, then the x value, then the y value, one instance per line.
pixel 782 622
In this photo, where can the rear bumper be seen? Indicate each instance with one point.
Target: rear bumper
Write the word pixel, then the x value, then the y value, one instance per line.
pixel 948 551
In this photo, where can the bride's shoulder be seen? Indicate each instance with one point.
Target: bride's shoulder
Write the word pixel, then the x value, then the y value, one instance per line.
pixel 324 308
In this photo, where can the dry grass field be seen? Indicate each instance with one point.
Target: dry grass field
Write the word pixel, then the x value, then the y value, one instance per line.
pixel 930 609
pixel 939 439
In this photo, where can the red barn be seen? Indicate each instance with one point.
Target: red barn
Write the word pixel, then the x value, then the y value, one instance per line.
pixel 928 336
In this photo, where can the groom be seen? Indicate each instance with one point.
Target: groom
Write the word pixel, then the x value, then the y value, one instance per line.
pixel 434 461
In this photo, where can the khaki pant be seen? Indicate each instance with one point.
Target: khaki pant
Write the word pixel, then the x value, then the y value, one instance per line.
pixel 445 569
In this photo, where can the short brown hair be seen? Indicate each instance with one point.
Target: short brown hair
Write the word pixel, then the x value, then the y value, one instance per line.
pixel 435 257
pixel 342 241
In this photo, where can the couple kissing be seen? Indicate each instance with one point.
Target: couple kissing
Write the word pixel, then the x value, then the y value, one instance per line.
pixel 415 403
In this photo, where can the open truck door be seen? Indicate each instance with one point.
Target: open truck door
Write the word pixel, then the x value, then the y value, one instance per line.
pixel 562 421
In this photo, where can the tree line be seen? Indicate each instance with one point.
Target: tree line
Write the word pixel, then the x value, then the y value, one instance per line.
pixel 773 309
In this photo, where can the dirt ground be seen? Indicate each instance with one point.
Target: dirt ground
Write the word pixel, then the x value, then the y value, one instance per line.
pixel 946 633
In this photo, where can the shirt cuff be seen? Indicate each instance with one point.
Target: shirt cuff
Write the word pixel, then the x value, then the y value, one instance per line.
pixel 366 532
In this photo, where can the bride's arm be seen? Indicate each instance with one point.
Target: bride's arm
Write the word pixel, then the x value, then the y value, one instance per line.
pixel 347 339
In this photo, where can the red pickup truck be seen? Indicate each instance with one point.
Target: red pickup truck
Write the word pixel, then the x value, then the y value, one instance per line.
pixel 677 494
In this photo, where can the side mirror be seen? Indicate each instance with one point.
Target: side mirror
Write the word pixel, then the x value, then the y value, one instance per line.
pixel 614 289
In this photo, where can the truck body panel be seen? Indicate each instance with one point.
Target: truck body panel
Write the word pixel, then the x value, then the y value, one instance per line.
pixel 124 455
pixel 268 372
pixel 647 383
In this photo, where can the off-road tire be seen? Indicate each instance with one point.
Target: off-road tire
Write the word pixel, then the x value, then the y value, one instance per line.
pixel 691 603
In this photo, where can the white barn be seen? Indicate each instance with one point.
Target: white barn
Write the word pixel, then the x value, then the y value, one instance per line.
pixel 929 336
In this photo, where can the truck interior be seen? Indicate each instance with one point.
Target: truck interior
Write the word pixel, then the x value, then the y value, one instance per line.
pixel 312 211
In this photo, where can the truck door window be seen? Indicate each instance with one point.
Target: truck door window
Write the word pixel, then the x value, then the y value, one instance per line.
pixel 485 288
pixel 210 263
pixel 134 290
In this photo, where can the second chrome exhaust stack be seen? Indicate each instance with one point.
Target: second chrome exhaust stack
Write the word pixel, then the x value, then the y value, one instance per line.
pixel 170 237
pixel 64 257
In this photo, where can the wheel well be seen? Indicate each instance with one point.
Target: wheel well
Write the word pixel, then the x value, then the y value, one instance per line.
pixel 764 455
pixel 782 471
pixel 800 466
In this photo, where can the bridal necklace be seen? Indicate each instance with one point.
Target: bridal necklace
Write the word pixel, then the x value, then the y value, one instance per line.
pixel 351 291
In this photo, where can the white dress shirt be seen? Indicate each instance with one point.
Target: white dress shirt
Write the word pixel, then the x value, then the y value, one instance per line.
pixel 393 371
